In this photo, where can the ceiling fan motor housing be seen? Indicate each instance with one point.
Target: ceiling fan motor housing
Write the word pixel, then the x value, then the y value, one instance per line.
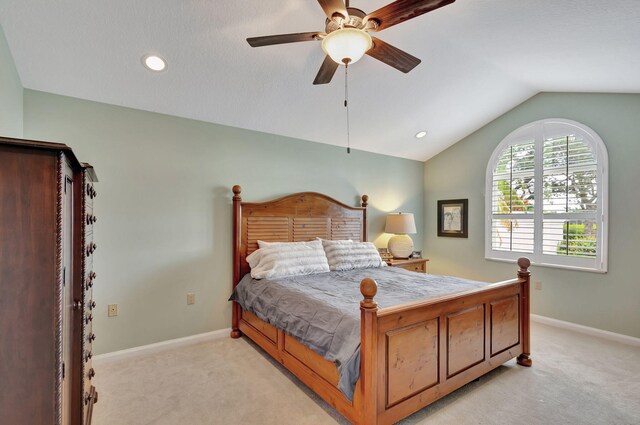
pixel 356 20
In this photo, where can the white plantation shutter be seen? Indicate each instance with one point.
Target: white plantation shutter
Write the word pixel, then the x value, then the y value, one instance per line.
pixel 570 180
pixel 512 225
pixel 546 196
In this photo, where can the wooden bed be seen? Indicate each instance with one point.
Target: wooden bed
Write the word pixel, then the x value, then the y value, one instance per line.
pixel 411 354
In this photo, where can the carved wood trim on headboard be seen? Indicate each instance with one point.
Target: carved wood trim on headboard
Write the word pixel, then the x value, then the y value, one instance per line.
pixel 298 217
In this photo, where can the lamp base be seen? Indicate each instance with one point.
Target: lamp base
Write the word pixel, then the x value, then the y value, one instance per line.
pixel 400 246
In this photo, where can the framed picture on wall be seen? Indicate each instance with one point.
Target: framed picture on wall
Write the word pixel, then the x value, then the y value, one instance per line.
pixel 453 218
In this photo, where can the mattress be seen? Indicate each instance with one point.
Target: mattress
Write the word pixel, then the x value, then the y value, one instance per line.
pixel 322 311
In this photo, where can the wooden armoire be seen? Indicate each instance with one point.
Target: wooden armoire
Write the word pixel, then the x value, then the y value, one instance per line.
pixel 46 280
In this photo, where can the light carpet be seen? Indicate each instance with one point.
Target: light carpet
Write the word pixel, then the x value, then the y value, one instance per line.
pixel 575 379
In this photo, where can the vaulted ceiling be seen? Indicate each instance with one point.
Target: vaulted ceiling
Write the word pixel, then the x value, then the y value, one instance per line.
pixel 480 58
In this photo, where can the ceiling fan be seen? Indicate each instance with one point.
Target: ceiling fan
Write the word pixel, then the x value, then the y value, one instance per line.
pixel 346 37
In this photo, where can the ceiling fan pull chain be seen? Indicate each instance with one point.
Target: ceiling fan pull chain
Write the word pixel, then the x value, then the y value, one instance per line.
pixel 346 103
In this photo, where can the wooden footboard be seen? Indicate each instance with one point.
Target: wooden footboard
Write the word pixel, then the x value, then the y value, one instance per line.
pixel 414 354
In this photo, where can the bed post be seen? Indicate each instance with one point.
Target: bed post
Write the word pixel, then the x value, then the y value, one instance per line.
pixel 524 359
pixel 365 202
pixel 369 351
pixel 236 312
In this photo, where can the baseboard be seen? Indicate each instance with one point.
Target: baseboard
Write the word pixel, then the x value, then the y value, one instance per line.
pixel 611 336
pixel 159 346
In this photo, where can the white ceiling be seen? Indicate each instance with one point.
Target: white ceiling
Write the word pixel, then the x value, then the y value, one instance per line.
pixel 480 58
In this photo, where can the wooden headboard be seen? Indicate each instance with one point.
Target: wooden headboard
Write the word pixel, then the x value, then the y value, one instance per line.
pixel 294 218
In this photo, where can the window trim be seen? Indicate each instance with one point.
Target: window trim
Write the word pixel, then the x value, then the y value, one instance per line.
pixel 538 131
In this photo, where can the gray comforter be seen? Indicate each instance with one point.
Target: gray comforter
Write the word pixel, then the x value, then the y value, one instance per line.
pixel 323 310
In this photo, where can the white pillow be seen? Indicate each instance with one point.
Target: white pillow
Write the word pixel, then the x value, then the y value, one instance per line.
pixel 348 255
pixel 280 259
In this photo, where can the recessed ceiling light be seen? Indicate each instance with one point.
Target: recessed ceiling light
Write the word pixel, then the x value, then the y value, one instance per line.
pixel 154 62
pixel 421 134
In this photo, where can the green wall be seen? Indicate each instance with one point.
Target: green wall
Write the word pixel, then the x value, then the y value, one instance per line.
pixel 10 93
pixel 606 301
pixel 164 205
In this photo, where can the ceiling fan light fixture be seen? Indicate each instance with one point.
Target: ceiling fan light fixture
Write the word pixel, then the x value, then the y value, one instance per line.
pixel 347 45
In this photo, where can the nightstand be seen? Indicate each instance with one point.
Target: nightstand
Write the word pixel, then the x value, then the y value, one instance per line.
pixel 414 264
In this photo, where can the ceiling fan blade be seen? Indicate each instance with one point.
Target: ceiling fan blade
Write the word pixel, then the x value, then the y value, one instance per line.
pixel 402 10
pixel 331 7
pixel 325 74
pixel 392 56
pixel 268 40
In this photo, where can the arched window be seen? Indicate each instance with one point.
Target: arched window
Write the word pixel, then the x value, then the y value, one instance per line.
pixel 547 196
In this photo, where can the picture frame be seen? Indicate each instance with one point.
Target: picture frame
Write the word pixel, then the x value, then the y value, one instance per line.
pixel 416 254
pixel 453 218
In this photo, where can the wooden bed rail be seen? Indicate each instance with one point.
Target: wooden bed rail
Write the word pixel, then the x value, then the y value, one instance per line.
pixel 391 350
pixel 401 308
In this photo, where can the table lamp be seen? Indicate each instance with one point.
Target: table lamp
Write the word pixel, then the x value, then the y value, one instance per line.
pixel 400 224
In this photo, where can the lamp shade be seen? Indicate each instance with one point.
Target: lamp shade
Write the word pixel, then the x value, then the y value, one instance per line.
pixel 348 44
pixel 400 224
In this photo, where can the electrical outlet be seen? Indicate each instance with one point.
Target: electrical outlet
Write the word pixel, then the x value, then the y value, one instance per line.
pixel 112 310
pixel 191 298
pixel 538 285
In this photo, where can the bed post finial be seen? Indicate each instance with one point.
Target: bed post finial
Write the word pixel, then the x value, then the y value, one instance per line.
pixel 524 263
pixel 368 289
pixel 524 275
pixel 365 201
pixel 236 193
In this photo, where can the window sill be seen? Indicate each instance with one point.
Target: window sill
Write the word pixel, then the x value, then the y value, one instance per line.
pixel 550 265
